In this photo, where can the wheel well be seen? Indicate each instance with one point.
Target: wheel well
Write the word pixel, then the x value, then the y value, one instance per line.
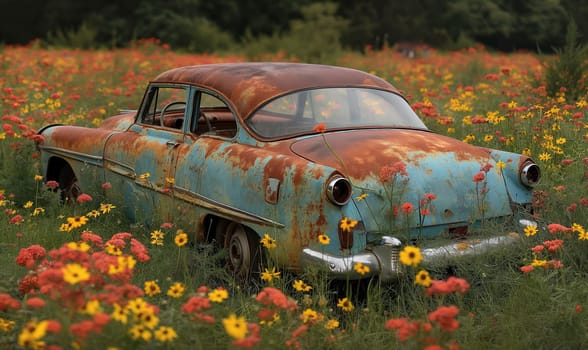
pixel 214 225
pixel 54 169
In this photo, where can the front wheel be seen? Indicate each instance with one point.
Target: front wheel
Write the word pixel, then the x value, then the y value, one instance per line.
pixel 68 185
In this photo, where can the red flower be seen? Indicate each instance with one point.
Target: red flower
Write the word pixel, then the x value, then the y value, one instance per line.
pixel 273 296
pixel 27 257
pixel 555 228
pixel 526 269
pixel 106 186
pixel 8 302
pixel 52 184
pixel 92 238
pixel 196 303
pixel 479 177
pixel 445 317
pixel 407 208
pixel 36 303
pixel 554 244
pixel 83 198
pixel 17 219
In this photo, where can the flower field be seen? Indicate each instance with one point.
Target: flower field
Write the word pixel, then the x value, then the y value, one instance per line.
pixel 83 277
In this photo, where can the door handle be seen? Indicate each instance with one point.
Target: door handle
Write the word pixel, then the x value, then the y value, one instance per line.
pixel 172 144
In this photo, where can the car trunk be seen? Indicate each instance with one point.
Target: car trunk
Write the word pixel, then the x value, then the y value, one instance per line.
pixel 434 190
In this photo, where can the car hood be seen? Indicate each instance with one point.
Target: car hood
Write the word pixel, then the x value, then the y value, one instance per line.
pixel 435 164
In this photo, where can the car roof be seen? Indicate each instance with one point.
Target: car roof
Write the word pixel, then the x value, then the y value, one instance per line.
pixel 248 85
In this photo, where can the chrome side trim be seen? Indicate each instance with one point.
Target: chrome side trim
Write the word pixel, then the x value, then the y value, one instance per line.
pixel 82 157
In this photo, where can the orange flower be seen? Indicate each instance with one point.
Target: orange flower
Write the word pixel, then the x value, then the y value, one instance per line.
pixel 322 127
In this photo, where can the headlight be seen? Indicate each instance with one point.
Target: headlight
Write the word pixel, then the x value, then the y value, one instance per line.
pixel 339 190
pixel 530 174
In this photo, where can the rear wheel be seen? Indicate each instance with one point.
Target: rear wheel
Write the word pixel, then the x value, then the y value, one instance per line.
pixel 242 247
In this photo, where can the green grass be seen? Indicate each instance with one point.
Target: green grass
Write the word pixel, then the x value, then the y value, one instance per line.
pixel 504 308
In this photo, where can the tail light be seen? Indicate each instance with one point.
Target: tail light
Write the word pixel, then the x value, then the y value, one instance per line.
pixel 339 190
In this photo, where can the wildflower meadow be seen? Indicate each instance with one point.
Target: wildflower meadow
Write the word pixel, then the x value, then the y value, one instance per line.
pixel 81 276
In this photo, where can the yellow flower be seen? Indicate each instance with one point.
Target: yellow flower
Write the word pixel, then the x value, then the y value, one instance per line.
pixel 181 238
pixel 137 305
pixel 538 263
pixel 309 315
pixel 361 197
pixel 361 268
pixel 165 334
pixel 111 249
pixel 81 246
pixel 411 256
pixel 530 230
pixel 157 237
pixel 268 242
pixel 176 290
pixel 235 326
pixel 332 324
pixel 27 205
pixel 347 224
pixel 500 165
pixel 31 335
pixel 544 156
pixel 422 278
pixel 77 221
pixel 561 141
pixel 270 275
pixel 469 138
pixel 93 214
pixel 92 307
pixel 345 304
pixel 75 273
pixel 324 239
pixel 119 313
pixel 151 288
pixel 218 295
pixel 170 180
pixel 145 176
pixel 147 318
pixel 140 332
pixel 582 234
pixel 106 207
pixel 38 177
pixel 488 138
pixel 300 286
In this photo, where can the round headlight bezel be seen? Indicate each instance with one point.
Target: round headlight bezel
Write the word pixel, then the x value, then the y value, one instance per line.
pixel 530 174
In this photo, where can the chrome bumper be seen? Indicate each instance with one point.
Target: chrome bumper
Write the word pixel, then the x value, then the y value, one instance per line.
pixel 381 259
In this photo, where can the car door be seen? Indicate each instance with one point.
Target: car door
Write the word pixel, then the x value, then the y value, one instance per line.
pixel 140 163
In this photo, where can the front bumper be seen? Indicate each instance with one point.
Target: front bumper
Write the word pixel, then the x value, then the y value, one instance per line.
pixel 383 259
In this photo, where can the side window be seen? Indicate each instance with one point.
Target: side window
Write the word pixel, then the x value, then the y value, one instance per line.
pixel 166 107
pixel 214 118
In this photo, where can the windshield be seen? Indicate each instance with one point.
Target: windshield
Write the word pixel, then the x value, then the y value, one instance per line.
pixel 302 111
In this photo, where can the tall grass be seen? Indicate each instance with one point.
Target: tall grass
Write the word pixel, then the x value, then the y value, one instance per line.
pixel 486 99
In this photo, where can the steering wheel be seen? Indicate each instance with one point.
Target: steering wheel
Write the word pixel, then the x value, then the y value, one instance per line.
pixel 207 120
pixel 167 106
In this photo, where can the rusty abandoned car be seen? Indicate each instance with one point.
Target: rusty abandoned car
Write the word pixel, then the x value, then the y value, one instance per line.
pixel 330 162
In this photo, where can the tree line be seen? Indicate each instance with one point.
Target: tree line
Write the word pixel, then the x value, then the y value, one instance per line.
pixel 311 25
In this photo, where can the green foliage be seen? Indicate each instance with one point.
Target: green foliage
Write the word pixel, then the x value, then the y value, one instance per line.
pixel 84 37
pixel 314 38
pixel 570 68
